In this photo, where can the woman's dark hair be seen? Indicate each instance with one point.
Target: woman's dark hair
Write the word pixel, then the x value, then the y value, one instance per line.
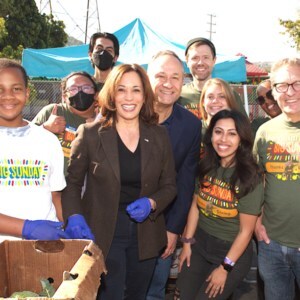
pixel 247 173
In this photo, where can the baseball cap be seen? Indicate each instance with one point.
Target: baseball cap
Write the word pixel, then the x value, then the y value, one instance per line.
pixel 203 41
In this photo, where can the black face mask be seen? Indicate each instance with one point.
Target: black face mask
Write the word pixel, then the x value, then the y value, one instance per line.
pixel 103 60
pixel 82 101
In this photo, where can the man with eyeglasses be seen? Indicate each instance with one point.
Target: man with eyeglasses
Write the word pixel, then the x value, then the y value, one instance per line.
pixel 277 146
pixel 267 102
pixel 79 95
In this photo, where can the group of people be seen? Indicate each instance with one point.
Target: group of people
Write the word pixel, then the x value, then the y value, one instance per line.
pixel 141 162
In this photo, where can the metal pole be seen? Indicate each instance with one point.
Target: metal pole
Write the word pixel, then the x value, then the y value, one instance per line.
pixel 99 28
pixel 87 21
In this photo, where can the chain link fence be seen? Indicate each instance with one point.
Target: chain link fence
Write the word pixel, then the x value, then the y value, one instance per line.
pixel 44 92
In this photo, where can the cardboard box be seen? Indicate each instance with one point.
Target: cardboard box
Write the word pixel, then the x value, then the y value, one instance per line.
pixel 74 265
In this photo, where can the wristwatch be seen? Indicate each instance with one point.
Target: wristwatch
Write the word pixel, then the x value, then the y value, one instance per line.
pixel 227 267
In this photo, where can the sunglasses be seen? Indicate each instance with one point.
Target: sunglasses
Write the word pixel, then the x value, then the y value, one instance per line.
pixel 261 99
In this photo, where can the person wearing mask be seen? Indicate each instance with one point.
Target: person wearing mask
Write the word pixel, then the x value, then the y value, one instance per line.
pixel 166 72
pixel 103 53
pixel 79 94
pixel 267 102
pixel 130 180
pixel 217 252
pixel 277 146
pixel 31 166
pixel 200 54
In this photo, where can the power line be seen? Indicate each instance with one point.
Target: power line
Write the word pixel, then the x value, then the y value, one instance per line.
pixel 91 19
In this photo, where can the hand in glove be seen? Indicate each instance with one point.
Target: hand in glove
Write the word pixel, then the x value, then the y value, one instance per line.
pixel 43 230
pixel 140 209
pixel 77 228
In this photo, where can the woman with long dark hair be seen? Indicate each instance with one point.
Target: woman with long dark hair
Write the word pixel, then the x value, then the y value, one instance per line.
pixel 227 201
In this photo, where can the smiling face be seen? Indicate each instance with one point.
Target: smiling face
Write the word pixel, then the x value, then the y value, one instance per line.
pixel 270 106
pixel 129 97
pixel 214 100
pixel 289 102
pixel 166 77
pixel 200 61
pixel 225 140
pixel 13 97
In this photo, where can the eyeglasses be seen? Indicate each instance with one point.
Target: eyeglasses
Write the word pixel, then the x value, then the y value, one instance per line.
pixel 88 89
pixel 283 87
pixel 261 99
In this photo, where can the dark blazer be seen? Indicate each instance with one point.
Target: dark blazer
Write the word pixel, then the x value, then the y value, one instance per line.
pixel 184 130
pixel 94 153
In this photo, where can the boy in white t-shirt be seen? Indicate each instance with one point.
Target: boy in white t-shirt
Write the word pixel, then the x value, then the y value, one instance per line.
pixel 31 166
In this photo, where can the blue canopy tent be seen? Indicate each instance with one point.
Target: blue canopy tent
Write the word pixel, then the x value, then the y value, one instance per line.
pixel 138 43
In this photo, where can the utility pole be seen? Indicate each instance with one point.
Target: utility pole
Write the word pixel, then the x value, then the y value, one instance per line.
pixel 92 13
pixel 211 24
pixel 87 20
pixel 44 6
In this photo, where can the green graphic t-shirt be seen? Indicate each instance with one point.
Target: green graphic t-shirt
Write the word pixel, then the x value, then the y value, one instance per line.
pixel 219 207
pixel 277 145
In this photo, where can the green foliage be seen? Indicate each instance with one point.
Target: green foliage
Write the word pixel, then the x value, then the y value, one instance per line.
pixel 56 32
pixel 3 31
pixel 292 28
pixel 23 294
pixel 48 289
pixel 22 25
pixel 9 52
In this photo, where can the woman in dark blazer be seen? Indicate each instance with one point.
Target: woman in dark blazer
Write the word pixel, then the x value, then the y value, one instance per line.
pixel 130 180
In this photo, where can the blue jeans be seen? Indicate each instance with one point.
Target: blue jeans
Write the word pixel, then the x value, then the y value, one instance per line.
pixel 279 267
pixel 157 288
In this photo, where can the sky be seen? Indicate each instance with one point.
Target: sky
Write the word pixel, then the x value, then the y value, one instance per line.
pixel 248 27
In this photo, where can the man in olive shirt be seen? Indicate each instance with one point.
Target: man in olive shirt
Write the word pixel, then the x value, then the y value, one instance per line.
pixel 277 146
pixel 200 57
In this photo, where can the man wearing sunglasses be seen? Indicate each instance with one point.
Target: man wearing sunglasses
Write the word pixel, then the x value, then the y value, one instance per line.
pixel 267 102
pixel 277 146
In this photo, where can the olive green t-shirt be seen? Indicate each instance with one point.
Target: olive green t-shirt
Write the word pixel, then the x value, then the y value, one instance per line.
pixel 191 99
pixel 277 145
pixel 257 122
pixel 219 208
pixel 72 123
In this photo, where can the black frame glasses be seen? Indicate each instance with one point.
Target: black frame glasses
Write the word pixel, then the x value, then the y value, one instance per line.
pixel 261 99
pixel 284 86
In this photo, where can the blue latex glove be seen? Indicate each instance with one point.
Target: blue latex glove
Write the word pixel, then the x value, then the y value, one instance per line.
pixel 77 228
pixel 140 209
pixel 43 230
